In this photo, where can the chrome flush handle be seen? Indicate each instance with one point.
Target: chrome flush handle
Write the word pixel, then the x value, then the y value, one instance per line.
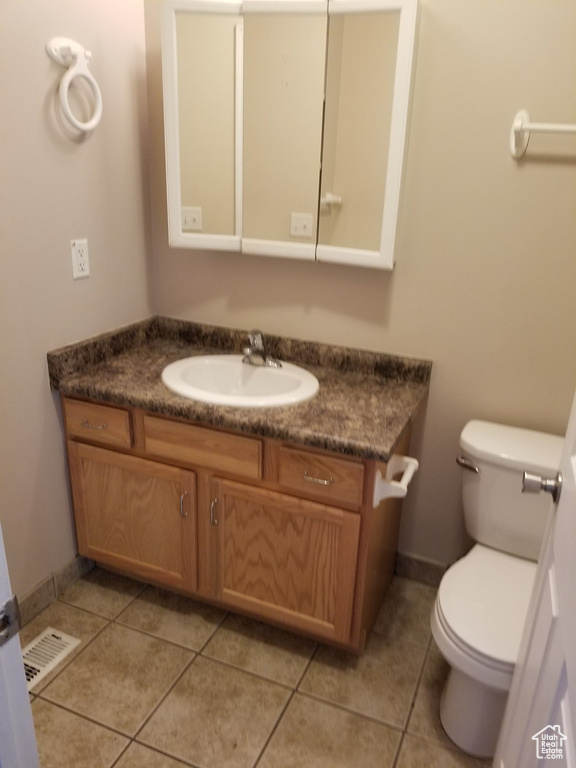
pixel 467 464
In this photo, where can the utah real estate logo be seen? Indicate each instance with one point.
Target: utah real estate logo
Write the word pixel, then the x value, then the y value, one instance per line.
pixel 549 743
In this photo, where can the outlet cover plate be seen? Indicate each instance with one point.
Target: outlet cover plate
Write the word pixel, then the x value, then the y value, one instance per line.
pixel 301 225
pixel 80 262
pixel 191 219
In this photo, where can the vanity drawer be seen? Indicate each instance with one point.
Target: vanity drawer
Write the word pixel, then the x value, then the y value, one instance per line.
pixel 190 444
pixel 98 423
pixel 326 478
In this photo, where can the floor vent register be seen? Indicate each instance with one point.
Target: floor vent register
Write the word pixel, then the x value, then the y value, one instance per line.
pixel 44 653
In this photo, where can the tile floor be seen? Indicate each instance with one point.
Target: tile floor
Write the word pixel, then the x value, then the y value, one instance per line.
pixel 161 681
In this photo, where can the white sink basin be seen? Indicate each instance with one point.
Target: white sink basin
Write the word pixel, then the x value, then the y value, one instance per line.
pixel 226 380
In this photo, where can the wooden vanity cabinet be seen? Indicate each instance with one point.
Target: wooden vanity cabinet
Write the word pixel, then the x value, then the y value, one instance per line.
pixel 279 532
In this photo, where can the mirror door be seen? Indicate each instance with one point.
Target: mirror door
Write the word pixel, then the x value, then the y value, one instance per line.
pixel 202 84
pixel 284 66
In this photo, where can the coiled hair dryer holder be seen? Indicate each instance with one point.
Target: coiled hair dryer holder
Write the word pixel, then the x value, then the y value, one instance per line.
pixel 75 58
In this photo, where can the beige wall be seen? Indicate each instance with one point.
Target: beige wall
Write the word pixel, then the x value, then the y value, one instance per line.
pixel 54 187
pixel 484 284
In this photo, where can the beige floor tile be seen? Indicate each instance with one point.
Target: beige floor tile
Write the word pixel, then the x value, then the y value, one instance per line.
pixel 119 677
pixel 173 617
pixel 259 648
pixel 68 619
pixel 425 717
pixel 313 734
pixel 68 741
pixel 138 756
pixel 405 613
pixel 381 683
pixel 416 753
pixel 102 592
pixel 216 716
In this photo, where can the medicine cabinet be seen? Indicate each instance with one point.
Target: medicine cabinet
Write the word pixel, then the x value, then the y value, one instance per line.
pixel 286 124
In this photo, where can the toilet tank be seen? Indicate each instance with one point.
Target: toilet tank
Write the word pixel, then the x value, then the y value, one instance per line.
pixel 496 512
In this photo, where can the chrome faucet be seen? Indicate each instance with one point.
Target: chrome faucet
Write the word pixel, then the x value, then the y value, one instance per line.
pixel 255 353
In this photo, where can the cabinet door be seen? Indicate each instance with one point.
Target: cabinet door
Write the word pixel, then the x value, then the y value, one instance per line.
pixel 134 514
pixel 286 559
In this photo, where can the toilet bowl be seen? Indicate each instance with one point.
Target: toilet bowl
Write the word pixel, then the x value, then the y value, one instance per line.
pixel 482 602
pixel 477 623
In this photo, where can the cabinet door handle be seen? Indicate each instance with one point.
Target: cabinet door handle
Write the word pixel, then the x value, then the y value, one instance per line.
pixel 213 519
pixel 317 480
pixel 87 425
pixel 183 512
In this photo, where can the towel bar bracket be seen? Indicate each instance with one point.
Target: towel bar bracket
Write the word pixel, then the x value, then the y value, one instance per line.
pixel 522 128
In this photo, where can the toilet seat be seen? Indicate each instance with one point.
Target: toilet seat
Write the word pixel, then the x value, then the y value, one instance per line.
pixel 480 611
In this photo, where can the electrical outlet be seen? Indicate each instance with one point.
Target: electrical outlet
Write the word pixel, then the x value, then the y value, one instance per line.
pixel 191 219
pixel 301 225
pixel 80 263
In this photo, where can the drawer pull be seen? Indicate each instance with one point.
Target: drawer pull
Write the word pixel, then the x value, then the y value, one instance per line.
pixel 317 480
pixel 213 519
pixel 183 513
pixel 87 425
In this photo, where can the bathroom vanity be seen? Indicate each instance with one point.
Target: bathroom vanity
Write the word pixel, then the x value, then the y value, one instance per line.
pixel 268 512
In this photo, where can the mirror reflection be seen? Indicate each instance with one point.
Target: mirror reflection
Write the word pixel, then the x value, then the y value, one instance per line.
pixel 205 45
pixel 284 63
pixel 360 68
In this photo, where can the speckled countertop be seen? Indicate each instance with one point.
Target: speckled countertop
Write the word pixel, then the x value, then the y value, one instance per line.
pixel 365 402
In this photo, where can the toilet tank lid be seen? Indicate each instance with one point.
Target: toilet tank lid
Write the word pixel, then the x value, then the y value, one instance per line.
pixel 512 446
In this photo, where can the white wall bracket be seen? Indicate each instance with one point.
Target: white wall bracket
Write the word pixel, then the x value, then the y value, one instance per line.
pixel 75 57
pixel 387 487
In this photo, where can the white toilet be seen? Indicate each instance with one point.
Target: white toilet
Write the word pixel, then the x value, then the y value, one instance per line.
pixel 482 601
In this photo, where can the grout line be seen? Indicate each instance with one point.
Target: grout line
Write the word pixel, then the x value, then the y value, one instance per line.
pixel 84 610
pixel 218 626
pixel 157 750
pixel 82 716
pixel 257 675
pixel 119 757
pixel 274 729
pixel 153 636
pixel 417 687
pixel 163 697
pixel 400 745
pixel 307 667
pixel 348 710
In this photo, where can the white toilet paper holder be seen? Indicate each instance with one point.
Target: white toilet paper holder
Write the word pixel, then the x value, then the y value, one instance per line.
pixel 75 57
pixel 386 487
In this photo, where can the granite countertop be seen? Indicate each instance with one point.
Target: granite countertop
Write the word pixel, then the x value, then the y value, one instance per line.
pixel 365 401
